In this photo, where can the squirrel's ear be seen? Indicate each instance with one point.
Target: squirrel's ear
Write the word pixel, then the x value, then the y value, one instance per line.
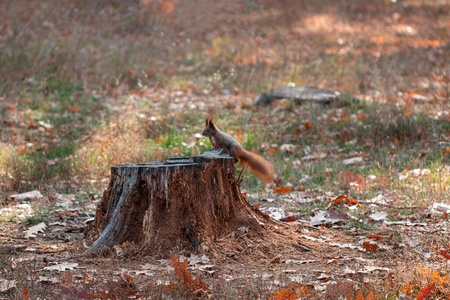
pixel 211 124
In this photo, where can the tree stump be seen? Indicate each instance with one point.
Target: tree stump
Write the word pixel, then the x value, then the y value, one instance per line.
pixel 178 204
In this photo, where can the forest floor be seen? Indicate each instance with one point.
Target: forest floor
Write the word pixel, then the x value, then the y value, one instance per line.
pixel 364 186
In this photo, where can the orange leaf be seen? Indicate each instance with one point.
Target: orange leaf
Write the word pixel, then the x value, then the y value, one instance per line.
pixel 441 93
pixel 159 139
pixel 374 236
pixel 406 289
pixel 339 199
pixel 352 201
pixel 445 254
pixel 127 277
pixel 277 102
pixel 11 107
pixel 25 294
pixel 288 219
pixel 282 190
pixel 370 295
pixel 184 275
pixel 8 123
pixel 32 124
pixel 369 247
pixel 272 150
pixel 73 108
pixel 166 7
pixel 425 291
pixel 239 138
pixel 308 125
pixel 408 112
pixel 257 205
pixel 362 116
pixel 359 296
pixel 22 149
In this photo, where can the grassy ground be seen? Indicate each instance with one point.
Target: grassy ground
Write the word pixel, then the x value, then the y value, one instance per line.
pixel 85 86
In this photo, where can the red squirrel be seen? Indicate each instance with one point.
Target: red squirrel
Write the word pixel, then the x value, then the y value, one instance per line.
pixel 260 167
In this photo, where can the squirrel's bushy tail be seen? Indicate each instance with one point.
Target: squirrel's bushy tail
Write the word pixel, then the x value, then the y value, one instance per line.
pixel 260 167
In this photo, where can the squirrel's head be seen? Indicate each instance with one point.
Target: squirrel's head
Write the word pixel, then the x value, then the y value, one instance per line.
pixel 210 128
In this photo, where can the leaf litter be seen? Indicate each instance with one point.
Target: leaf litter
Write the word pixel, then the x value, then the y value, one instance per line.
pixel 409 233
pixel 335 254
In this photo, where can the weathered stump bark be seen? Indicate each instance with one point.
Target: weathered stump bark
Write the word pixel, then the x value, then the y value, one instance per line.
pixel 172 205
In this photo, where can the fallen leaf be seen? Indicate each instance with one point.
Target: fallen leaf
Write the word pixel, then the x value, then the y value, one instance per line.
pixel 352 201
pixel 425 291
pixel 308 125
pixel 22 149
pixel 374 236
pixel 28 195
pixel 62 267
pixel 11 107
pixel 272 150
pixel 75 184
pixel 353 161
pixel 6 285
pixel 323 218
pixel 406 289
pixel 408 112
pixel 445 254
pixel 289 148
pixel 194 259
pixel 34 230
pixel 283 190
pixel 243 229
pixel 339 199
pixel 25 294
pixel 73 108
pixel 47 126
pixel 288 219
pixel 369 247
pixel 378 216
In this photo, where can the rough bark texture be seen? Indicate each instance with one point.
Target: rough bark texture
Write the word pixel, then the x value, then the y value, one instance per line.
pixel 178 204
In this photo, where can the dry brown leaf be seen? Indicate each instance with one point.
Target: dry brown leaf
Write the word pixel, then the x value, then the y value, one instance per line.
pixel 369 247
pixel 308 125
